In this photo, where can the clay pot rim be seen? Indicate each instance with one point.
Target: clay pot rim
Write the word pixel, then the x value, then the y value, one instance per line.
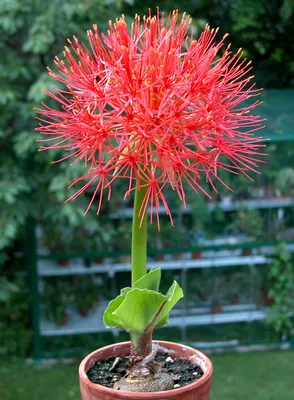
pixel 144 395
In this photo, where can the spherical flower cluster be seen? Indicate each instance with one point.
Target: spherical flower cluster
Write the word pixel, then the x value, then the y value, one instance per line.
pixel 152 105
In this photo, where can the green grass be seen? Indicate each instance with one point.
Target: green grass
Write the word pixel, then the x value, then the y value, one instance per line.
pixel 258 376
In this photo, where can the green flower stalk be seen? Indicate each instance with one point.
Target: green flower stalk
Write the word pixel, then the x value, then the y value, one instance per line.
pixel 139 238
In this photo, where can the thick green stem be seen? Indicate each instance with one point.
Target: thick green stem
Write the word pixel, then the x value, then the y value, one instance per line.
pixel 139 238
pixel 141 344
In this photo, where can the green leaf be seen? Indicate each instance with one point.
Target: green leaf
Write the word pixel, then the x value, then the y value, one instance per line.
pixel 138 309
pixel 135 308
pixel 110 320
pixel 125 290
pixel 174 294
pixel 149 281
pixel 25 143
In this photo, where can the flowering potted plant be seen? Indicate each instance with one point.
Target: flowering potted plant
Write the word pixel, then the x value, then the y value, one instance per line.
pixel 155 107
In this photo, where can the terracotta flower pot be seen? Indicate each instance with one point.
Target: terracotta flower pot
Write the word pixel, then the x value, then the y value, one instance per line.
pixel 84 311
pixel 158 257
pixel 235 299
pixel 246 252
pixel 63 262
pixel 125 259
pixel 178 256
pixel 99 260
pixel 267 299
pixel 216 309
pixel 196 255
pixel 63 320
pixel 198 390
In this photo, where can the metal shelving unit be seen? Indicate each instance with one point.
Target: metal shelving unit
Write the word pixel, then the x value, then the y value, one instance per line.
pixel 93 322
pixel 226 206
pixel 226 255
pixel 180 317
pixel 49 268
pixel 196 316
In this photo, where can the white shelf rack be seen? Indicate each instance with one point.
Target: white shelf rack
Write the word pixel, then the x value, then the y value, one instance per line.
pixel 275 202
pixel 206 309
pixel 179 317
pixel 93 322
pixel 48 268
pixel 222 318
pixel 185 315
pixel 226 205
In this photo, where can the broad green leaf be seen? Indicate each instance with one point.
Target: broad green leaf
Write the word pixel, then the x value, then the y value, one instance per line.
pixel 110 320
pixel 124 291
pixel 149 281
pixel 174 294
pixel 138 309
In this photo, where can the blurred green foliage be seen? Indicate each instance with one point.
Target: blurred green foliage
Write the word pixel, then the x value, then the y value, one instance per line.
pixel 281 291
pixel 32 33
pixel 264 29
pixel 14 317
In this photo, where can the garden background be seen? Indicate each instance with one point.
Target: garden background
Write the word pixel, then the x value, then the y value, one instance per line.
pixel 32 190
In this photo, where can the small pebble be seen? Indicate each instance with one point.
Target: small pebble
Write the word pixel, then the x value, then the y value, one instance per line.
pixel 176 386
pixel 195 373
pixel 169 359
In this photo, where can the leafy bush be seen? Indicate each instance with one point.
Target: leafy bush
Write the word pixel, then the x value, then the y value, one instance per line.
pixel 263 29
pixel 14 318
pixel 282 292
pixel 32 32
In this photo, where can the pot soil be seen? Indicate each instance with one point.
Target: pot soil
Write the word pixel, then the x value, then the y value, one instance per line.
pixel 197 390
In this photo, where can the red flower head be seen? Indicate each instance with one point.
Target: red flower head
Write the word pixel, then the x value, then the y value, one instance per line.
pixel 154 106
